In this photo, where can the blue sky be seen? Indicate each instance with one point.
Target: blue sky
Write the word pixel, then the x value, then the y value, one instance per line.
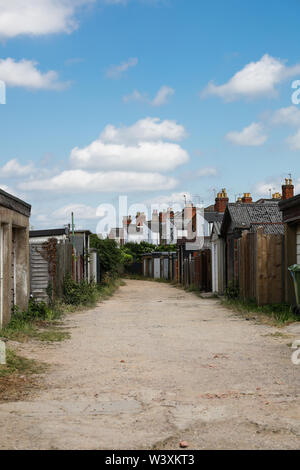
pixel 154 99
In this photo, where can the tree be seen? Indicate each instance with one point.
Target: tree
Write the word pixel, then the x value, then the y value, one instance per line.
pixel 109 253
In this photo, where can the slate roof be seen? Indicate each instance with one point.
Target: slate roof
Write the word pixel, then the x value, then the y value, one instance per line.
pixel 211 217
pixel 252 216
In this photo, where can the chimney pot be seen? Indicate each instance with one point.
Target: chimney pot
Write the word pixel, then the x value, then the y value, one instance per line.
pixel 288 189
pixel 221 201
pixel 247 199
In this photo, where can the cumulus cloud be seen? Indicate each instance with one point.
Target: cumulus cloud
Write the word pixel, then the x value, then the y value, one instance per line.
pixel 256 79
pixel 127 158
pixel 114 181
pixel 116 71
pixel 26 74
pixel 145 156
pixel 251 136
pixel 82 211
pixel 38 17
pixel 289 116
pixel 13 169
pixel 136 96
pixel 294 141
pixel 140 147
pixel 12 191
pixel 162 96
pixel 160 99
pixel 144 130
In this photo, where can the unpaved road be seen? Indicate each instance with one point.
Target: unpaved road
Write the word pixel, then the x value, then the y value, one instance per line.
pixel 193 370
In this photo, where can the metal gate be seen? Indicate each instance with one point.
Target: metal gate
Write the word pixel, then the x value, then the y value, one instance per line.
pixel 156 268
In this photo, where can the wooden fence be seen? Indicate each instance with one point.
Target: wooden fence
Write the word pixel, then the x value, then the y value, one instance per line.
pixel 260 267
pixel 197 270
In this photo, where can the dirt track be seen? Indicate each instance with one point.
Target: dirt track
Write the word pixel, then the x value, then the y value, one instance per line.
pixel 193 370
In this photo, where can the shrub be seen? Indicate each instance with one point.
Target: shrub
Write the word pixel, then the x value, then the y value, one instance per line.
pixel 232 291
pixel 83 293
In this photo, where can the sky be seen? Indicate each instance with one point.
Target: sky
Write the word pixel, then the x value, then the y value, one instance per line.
pixel 150 99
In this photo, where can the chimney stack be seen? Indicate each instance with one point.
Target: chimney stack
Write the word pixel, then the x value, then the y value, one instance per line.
pixel 287 189
pixel 126 221
pixel 140 219
pixel 221 201
pixel 247 199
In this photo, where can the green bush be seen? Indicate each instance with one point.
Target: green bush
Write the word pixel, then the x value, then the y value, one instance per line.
pixel 232 291
pixel 36 311
pixel 109 253
pixel 83 293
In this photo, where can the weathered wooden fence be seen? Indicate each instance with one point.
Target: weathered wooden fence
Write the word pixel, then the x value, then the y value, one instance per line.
pixel 260 267
pixel 197 270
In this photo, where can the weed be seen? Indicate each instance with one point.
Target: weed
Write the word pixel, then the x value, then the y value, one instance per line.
pixel 277 314
pixel 20 365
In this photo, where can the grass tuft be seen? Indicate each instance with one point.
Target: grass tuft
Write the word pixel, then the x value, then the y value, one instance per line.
pixel 276 314
pixel 20 365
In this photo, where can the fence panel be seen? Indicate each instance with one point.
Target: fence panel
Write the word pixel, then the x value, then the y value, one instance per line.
pixel 260 267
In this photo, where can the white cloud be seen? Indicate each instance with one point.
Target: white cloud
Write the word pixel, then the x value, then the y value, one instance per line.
pixel 117 181
pixel 136 96
pixel 161 98
pixel 251 136
pixel 116 71
pixel 289 116
pixel 263 188
pixel 13 169
pixel 12 191
pixel 294 141
pixel 145 156
pixel 25 74
pixel 82 211
pixel 144 130
pixel 38 17
pixel 139 148
pixel 254 80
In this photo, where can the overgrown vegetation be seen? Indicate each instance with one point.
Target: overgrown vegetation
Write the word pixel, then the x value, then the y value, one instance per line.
pixel 136 250
pixel 109 253
pixel 43 322
pixel 232 291
pixel 276 314
pixel 82 293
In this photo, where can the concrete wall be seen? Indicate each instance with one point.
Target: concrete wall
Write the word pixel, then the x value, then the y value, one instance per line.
pixel 15 262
